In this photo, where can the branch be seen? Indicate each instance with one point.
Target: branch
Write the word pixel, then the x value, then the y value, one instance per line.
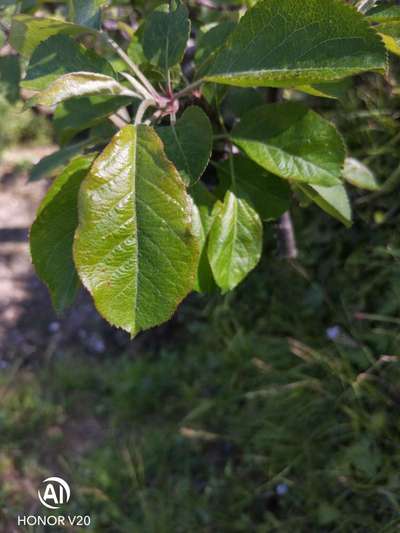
pixel 286 237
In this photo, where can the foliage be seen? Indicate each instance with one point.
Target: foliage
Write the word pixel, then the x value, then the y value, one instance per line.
pixel 142 242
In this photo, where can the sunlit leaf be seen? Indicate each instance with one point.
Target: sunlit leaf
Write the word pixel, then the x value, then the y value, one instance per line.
pixel 284 43
pixel 292 142
pixel 235 241
pixel 333 200
pixel 135 249
pixel 61 55
pixel 359 175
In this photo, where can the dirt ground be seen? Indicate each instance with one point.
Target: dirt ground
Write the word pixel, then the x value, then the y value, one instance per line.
pixel 29 328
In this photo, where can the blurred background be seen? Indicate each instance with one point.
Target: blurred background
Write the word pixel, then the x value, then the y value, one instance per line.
pixel 274 408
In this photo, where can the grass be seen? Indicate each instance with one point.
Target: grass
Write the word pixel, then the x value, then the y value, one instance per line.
pixel 273 409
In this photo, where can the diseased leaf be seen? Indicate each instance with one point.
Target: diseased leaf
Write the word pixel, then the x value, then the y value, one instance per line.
pixel 78 114
pixel 78 84
pixel 28 32
pixel 166 33
pixel 359 175
pixel 203 217
pixel 268 194
pixel 10 74
pixel 390 32
pixel 292 142
pixel 86 12
pixel 188 143
pixel 235 241
pixel 52 234
pixel 287 43
pixel 333 200
pixel 60 55
pixel 135 249
pixel 53 163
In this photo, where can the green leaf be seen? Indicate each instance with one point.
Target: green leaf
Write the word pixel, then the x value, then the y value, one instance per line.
pixel 359 175
pixel 235 242
pixel 28 32
pixel 239 101
pixel 292 142
pixel 10 74
pixel 78 114
pixel 203 217
pixel 51 164
pixel 269 195
pixel 166 34
pixel 188 144
pixel 333 89
pixel 209 45
pixel 86 12
pixel 390 33
pixel 135 250
pixel 60 55
pixel 332 200
pixel 384 13
pixel 78 84
pixel 52 234
pixel 286 43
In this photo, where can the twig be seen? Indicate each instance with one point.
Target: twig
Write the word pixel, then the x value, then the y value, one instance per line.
pixel 190 88
pixel 286 237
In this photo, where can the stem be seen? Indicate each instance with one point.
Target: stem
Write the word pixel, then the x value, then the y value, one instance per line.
pixel 134 68
pixel 142 110
pixel 190 88
pixel 137 86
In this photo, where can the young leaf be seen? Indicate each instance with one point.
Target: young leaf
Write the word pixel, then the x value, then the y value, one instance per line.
pixel 28 32
pixel 269 195
pixel 10 74
pixel 78 84
pixel 135 250
pixel 235 242
pixel 52 234
pixel 166 33
pixel 333 200
pixel 292 142
pixel 286 43
pixel 60 55
pixel 78 114
pixel 188 143
pixel 203 217
pixel 359 175
pixel 86 12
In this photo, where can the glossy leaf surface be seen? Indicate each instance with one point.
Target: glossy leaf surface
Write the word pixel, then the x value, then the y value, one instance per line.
pixel 235 242
pixel 135 249
pixel 188 143
pixel 292 142
pixel 78 84
pixel 52 234
pixel 28 32
pixel 287 43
